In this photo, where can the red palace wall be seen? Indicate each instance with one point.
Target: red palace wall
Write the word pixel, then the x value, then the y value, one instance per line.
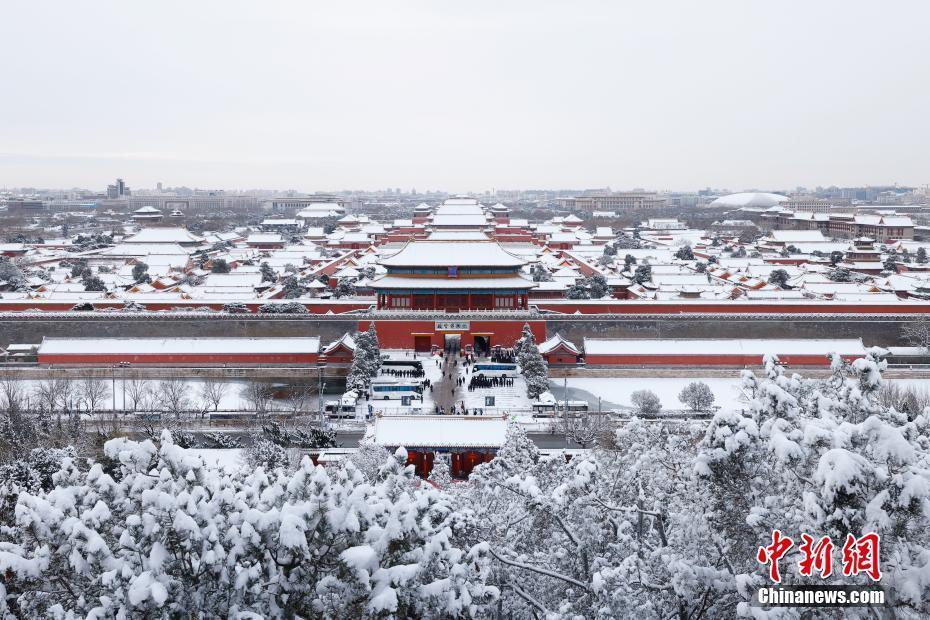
pixel 403 334
pixel 621 306
pixel 731 307
pixel 705 360
pixel 313 307
pixel 561 358
pixel 460 466
pixel 181 360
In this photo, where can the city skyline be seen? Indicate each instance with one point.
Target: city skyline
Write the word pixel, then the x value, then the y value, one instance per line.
pixel 727 94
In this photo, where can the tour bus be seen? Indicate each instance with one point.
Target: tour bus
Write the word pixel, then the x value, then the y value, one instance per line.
pixel 495 369
pixel 389 388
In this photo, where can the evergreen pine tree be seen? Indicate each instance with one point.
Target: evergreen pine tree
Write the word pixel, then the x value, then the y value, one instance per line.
pixel 532 365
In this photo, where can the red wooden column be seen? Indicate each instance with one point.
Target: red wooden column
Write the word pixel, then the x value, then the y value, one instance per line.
pixel 428 459
pixel 434 301
pixel 469 301
pixel 456 465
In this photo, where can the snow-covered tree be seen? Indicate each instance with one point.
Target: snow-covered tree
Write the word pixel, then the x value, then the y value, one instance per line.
pixel 646 401
pixel 93 283
pixel 211 393
pixel 344 288
pixel 293 307
pixel 539 273
pixel 11 273
pixel 921 255
pixel 917 332
pixel 820 456
pixel 374 346
pixel 292 288
pixel 583 428
pixel 840 274
pixel 268 273
pixel 685 253
pixel 265 453
pixel 533 367
pixel 369 459
pixel 140 273
pixel 440 474
pixel 578 290
pixel 642 274
pixel 611 534
pixel 697 396
pixel 625 242
pixel 779 277
pixel 220 265
pixel 258 396
pixel 236 307
pixel 156 533
pixel 93 393
pixel 596 285
pixel 366 360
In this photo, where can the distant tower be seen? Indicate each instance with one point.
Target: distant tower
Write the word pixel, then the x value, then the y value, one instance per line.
pixel 118 189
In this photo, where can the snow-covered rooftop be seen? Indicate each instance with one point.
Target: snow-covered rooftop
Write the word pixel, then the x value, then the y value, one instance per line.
pixel 393 282
pixel 440 431
pixel 790 236
pixel 451 253
pixel 625 346
pixel 164 235
pixel 176 346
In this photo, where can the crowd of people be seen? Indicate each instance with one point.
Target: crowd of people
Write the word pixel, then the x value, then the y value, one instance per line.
pixel 403 373
pixel 480 381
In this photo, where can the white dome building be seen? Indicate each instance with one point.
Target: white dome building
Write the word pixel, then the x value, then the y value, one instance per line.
pixel 758 200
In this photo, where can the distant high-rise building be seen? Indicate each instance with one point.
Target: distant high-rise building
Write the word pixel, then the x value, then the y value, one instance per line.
pixel 614 201
pixel 118 189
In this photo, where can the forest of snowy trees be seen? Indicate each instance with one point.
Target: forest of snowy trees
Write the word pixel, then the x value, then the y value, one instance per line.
pixel 659 521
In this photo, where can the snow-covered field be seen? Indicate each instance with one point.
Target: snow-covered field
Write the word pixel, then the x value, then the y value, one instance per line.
pixel 506 399
pixel 617 391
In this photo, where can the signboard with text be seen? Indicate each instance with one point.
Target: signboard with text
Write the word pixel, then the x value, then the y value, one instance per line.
pixel 452 326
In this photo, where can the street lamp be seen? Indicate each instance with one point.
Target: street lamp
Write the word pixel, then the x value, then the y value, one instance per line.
pixel 320 387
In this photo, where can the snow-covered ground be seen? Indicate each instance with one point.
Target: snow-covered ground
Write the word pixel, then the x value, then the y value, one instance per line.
pixel 615 392
pixel 506 399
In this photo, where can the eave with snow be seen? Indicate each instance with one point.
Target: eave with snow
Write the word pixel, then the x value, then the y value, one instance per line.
pixel 467 273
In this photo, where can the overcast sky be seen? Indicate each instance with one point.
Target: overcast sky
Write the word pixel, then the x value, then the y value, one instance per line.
pixel 465 96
